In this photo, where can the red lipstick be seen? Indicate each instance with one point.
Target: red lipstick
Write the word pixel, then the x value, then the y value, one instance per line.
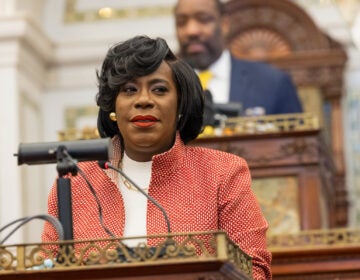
pixel 144 121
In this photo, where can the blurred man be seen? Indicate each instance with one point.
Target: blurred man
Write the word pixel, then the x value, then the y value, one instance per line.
pixel 201 28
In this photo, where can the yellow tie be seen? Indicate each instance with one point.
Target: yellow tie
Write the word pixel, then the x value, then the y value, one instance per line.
pixel 205 77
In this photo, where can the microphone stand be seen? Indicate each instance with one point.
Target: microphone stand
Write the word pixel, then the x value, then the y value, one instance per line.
pixel 64 167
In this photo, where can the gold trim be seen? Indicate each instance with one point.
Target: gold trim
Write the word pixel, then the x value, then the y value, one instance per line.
pixel 108 13
pixel 72 130
pixel 273 123
pixel 171 248
pixel 85 133
pixel 342 237
pixel 233 126
pixel 266 124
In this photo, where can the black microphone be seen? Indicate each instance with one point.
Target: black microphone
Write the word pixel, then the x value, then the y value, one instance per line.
pixel 81 150
pixel 107 165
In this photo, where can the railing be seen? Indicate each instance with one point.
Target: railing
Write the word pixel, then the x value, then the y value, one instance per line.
pixel 172 248
pixel 229 126
pixel 270 124
pixel 321 238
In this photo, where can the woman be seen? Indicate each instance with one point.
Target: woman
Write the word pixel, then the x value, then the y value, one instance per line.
pixel 151 105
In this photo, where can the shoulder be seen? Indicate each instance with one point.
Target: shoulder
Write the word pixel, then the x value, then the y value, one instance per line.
pixel 256 67
pixel 90 166
pixel 217 166
pixel 212 157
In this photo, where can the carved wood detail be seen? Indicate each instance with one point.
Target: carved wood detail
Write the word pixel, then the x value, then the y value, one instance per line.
pixel 259 43
pixel 283 18
pixel 304 151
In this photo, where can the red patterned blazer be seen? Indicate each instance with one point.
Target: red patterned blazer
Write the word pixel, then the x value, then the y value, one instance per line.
pixel 201 190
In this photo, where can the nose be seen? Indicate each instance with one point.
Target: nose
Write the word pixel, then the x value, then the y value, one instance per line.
pixel 144 99
pixel 192 28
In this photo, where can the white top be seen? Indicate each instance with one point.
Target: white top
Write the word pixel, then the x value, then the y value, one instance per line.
pixel 134 201
pixel 219 85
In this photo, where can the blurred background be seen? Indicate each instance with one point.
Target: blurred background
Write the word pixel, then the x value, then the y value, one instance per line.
pixel 50 50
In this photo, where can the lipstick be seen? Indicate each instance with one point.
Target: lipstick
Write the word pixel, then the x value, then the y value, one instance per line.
pixel 144 121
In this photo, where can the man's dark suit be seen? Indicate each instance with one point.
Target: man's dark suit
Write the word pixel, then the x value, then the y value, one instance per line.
pixel 255 84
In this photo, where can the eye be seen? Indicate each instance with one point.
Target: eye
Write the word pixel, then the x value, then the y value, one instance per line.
pixel 160 90
pixel 180 21
pixel 128 89
pixel 205 18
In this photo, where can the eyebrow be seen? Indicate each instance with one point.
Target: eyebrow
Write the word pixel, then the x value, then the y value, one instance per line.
pixel 158 80
pixel 152 81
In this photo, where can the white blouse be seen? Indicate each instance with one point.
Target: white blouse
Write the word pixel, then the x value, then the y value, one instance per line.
pixel 134 201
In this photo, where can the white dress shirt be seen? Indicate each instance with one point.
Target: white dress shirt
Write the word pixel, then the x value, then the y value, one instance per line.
pixel 219 85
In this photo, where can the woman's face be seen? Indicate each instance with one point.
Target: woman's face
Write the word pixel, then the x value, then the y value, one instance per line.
pixel 146 111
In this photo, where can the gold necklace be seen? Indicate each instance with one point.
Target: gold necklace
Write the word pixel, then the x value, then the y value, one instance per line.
pixel 130 186
pixel 126 182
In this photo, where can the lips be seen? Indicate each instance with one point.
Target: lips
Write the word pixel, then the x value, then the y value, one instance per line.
pixel 144 121
pixel 195 48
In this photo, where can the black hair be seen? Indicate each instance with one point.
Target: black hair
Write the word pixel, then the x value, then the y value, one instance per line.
pixel 141 56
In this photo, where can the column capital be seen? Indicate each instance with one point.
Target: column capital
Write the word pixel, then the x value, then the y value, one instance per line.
pixel 25 46
pixel 21 32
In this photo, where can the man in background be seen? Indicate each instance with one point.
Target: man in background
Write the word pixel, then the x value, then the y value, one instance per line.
pixel 201 28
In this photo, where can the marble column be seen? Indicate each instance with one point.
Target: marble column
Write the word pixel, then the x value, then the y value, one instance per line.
pixel 25 53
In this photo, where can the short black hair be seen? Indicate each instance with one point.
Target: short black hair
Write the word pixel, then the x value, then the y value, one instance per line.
pixel 141 56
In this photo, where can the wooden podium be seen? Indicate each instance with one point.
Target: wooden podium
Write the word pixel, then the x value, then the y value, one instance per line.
pixel 288 148
pixel 206 255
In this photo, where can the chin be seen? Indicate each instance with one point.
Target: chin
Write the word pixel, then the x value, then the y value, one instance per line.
pixel 199 61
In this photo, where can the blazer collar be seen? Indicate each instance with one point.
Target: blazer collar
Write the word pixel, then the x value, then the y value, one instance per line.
pixel 170 159
pixel 239 80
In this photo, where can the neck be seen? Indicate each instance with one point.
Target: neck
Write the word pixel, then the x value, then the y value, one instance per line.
pixel 146 152
pixel 139 157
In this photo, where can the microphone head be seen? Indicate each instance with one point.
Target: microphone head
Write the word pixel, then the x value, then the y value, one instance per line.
pixel 80 150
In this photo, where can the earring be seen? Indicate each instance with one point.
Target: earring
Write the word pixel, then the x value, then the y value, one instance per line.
pixel 179 117
pixel 112 116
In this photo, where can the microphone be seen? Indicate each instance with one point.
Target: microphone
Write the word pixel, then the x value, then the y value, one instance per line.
pixel 81 150
pixel 107 165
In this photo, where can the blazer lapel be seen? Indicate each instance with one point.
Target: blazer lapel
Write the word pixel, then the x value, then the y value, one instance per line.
pixel 239 81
